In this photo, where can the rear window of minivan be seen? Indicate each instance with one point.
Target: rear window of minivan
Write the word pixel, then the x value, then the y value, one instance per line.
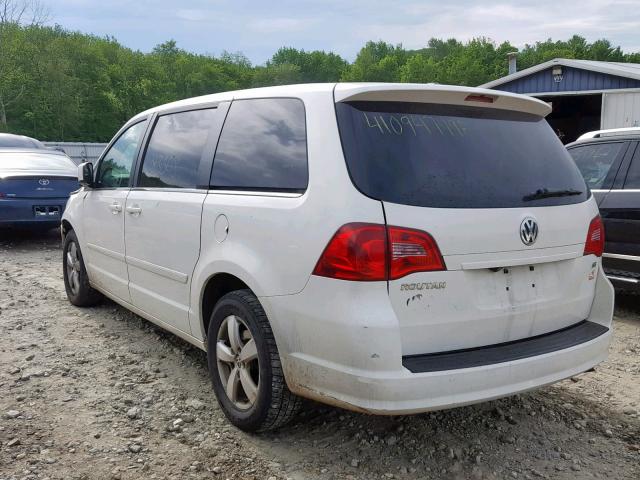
pixel 449 156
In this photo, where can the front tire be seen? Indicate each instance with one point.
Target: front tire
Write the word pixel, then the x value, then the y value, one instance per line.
pixel 245 367
pixel 76 281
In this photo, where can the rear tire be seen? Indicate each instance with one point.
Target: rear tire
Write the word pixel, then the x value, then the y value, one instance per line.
pixel 245 367
pixel 76 281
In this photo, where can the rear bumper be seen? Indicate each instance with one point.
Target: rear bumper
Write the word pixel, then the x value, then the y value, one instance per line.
pixel 19 213
pixel 403 392
pixel 341 345
pixel 551 342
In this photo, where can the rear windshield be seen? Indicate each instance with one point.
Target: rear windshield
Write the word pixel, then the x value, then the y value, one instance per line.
pixel 448 156
pixel 37 161
pixel 15 141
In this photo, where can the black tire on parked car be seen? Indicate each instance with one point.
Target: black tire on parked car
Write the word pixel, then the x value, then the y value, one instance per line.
pixel 245 367
pixel 76 281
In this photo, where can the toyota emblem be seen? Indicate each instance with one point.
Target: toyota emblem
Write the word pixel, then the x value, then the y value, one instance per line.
pixel 43 181
pixel 529 231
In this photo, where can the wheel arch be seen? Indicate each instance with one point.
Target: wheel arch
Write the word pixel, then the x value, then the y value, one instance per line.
pixel 220 283
pixel 215 287
pixel 65 227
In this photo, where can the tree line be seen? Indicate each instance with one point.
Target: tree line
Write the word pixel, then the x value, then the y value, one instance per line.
pixel 63 85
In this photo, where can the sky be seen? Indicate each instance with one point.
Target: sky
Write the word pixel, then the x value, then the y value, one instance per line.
pixel 258 28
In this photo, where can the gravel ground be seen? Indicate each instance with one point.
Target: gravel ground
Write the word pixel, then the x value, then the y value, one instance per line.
pixel 100 393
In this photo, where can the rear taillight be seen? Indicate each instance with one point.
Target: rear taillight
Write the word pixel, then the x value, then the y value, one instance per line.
pixel 595 238
pixel 412 251
pixel 373 252
pixel 357 251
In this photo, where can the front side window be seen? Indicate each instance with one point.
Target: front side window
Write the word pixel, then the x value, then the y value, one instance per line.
pixel 174 154
pixel 115 167
pixel 263 146
pixel 596 160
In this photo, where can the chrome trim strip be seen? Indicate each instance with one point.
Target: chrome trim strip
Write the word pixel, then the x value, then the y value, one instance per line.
pixel 255 193
pixel 519 261
pixel 619 256
pixel 106 251
pixel 158 270
pixel 622 279
pixel 176 190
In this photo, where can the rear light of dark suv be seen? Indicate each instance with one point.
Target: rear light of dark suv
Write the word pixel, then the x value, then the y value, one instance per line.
pixel 374 252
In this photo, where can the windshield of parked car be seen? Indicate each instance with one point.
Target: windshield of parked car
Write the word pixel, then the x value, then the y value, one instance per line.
pixel 449 156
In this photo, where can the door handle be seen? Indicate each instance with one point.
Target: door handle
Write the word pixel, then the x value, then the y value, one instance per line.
pixel 115 208
pixel 134 210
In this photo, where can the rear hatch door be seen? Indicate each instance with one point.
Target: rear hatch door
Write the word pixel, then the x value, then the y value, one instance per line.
pixel 473 178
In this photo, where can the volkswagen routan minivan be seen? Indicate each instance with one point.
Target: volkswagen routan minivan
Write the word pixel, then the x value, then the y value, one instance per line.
pixel 385 248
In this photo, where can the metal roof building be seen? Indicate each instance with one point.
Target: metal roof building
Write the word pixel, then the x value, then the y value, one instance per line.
pixel 585 95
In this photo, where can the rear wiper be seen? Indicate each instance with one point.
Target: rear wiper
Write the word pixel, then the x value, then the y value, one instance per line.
pixel 546 193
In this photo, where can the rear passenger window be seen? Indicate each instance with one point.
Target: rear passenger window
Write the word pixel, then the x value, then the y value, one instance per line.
pixel 596 160
pixel 175 152
pixel 262 147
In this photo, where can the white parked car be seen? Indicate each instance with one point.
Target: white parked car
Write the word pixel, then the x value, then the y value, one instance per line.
pixel 386 248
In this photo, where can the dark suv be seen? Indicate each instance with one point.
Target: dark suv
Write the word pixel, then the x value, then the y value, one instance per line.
pixel 610 163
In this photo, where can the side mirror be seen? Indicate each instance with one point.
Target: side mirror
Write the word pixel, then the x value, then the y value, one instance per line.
pixel 85 174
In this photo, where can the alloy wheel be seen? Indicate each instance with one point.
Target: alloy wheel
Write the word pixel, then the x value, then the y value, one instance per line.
pixel 73 268
pixel 238 365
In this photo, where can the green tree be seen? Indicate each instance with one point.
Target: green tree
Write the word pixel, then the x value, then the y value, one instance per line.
pixel 61 85
pixel 315 66
pixel 285 74
pixel 13 78
pixel 419 68
pixel 376 62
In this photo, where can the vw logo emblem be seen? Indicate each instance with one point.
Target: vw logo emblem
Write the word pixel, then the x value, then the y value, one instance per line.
pixel 529 231
pixel 43 182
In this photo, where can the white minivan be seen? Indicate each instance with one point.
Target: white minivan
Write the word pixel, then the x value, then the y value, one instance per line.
pixel 385 248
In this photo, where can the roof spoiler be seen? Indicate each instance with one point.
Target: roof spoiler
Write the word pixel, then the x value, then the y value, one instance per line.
pixel 444 94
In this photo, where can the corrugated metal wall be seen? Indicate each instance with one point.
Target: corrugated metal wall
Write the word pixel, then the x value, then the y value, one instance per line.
pixel 78 151
pixel 620 109
pixel 573 79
